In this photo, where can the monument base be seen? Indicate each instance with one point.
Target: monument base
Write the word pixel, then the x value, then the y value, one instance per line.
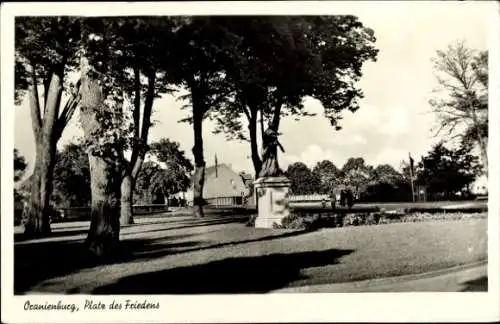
pixel 272 201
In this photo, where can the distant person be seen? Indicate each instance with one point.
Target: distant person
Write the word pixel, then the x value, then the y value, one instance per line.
pixel 343 198
pixel 349 198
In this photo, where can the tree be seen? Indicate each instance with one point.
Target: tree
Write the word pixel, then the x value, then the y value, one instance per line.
pixel 72 176
pixel 387 184
pixel 386 173
pixel 139 46
pixel 201 47
pixel 133 52
pixel 101 119
pixel 145 180
pixel 279 60
pixel 329 175
pixel 447 171
pixel 46 51
pixel 463 80
pixel 177 172
pixel 304 181
pixel 171 177
pixel 20 165
pixel 357 174
pixel 119 54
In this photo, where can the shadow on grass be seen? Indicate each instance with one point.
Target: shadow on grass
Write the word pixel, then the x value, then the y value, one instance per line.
pixel 21 237
pixel 479 284
pixel 182 224
pixel 233 275
pixel 36 262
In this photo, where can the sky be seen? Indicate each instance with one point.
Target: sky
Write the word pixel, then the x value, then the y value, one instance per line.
pixel 394 118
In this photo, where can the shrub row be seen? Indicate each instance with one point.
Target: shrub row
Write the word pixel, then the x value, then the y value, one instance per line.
pixel 311 221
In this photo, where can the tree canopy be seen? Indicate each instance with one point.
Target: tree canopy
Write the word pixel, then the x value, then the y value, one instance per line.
pixel 304 181
pixel 176 175
pixel 279 60
pixel 329 175
pixel 447 171
pixel 462 105
pixel 72 177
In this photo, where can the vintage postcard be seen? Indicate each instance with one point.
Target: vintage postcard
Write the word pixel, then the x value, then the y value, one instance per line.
pixel 290 161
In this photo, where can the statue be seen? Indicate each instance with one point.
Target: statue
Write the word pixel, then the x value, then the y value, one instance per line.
pixel 270 167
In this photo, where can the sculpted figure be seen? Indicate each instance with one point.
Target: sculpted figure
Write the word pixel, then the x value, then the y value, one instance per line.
pixel 270 167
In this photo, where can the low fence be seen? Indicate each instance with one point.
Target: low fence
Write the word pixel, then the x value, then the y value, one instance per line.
pixel 294 200
pixel 83 213
pixel 308 198
pixel 225 201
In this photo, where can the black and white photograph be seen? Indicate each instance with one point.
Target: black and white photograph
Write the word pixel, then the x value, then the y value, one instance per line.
pixel 156 149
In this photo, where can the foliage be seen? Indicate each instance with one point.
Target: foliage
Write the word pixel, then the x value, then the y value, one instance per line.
pixel 329 175
pixel 279 60
pixel 170 175
pixel 50 45
pixel 47 50
pixel 177 168
pixel 282 59
pixel 300 222
pixel 462 74
pixel 196 62
pixel 387 184
pixel 72 177
pixel 129 55
pixel 20 165
pixel 304 181
pixel 447 171
pixel 144 181
pixel 357 174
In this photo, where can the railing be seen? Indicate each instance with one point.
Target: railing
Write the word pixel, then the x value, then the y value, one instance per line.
pixel 225 201
pixel 83 213
pixel 308 198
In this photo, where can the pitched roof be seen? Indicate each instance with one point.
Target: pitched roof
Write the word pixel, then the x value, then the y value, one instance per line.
pixel 211 169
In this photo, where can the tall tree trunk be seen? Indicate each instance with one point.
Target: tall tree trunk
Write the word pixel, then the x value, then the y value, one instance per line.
pixel 103 236
pixel 126 210
pixel 252 128
pixel 33 219
pixel 138 153
pixel 105 172
pixel 199 161
pixel 39 211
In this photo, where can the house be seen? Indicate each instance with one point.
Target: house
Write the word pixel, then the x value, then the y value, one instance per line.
pixel 225 187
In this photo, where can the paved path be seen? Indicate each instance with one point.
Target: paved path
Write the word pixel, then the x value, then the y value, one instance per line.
pixel 448 280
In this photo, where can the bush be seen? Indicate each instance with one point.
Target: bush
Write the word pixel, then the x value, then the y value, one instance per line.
pixel 300 222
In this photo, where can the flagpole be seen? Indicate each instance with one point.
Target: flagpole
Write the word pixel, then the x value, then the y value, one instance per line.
pixel 216 166
pixel 411 178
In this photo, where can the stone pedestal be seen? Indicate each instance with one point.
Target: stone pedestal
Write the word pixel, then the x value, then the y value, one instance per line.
pixel 272 200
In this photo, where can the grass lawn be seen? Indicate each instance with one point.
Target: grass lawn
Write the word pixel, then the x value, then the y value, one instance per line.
pixel 178 254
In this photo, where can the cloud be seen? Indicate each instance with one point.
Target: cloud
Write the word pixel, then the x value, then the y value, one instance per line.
pixel 389 123
pixel 389 155
pixel 311 155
